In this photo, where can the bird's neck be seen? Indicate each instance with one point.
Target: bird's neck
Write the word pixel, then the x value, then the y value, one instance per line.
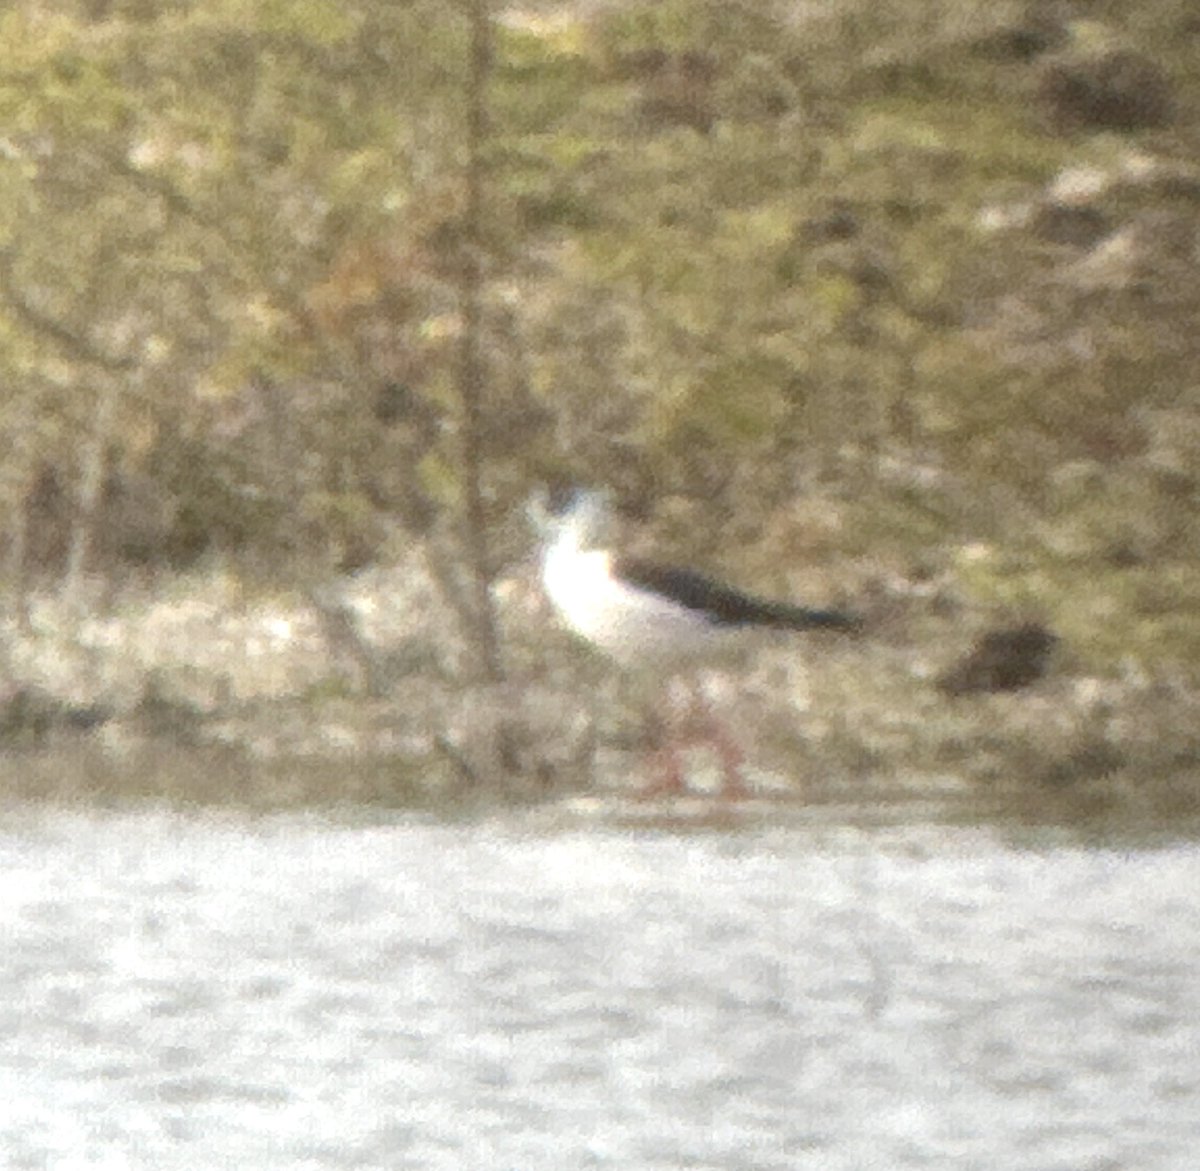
pixel 566 549
pixel 571 568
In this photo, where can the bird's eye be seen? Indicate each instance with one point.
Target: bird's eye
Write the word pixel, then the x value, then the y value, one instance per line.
pixel 563 498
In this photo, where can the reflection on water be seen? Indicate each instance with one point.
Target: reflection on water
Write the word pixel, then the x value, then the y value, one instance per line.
pixel 183 993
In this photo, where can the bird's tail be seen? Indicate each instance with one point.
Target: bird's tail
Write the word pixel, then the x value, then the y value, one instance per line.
pixel 789 617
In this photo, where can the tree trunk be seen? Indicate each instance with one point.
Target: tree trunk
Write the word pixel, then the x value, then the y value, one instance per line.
pixel 471 357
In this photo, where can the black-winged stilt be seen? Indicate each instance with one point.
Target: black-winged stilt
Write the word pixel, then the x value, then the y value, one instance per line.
pixel 661 624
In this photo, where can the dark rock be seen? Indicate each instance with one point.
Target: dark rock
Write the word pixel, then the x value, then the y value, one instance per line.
pixel 1090 761
pixel 1001 660
pixel 1120 90
pixel 838 223
pixel 84 719
pixel 1061 223
pixel 679 91
pixel 1039 28
pixel 159 713
pixel 639 64
pixel 29 715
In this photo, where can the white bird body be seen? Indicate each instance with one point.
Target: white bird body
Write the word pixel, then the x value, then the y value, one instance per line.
pixel 637 628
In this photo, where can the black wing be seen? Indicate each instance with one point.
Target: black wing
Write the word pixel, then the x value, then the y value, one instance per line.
pixel 724 605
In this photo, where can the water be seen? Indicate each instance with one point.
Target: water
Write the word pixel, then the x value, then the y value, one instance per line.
pixel 183 992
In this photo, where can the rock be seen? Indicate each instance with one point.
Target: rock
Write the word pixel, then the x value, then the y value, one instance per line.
pixel 1002 660
pixel 28 715
pixel 1031 31
pixel 678 89
pixel 1061 223
pixel 1116 90
pixel 1092 760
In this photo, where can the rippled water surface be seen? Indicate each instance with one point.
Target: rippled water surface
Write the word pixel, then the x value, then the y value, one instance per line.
pixel 184 992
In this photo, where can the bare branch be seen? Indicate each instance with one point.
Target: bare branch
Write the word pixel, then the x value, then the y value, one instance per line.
pixel 472 367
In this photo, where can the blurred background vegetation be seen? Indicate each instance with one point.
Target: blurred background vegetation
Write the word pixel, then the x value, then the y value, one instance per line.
pixel 903 291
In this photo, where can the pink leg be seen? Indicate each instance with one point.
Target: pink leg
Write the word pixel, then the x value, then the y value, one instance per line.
pixel 733 787
pixel 730 755
pixel 669 779
pixel 666 763
pixel 694 723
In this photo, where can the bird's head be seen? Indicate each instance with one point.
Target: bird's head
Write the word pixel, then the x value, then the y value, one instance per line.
pixel 578 515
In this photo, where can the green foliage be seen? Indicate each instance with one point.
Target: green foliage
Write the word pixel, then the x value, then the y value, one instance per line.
pixel 731 251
